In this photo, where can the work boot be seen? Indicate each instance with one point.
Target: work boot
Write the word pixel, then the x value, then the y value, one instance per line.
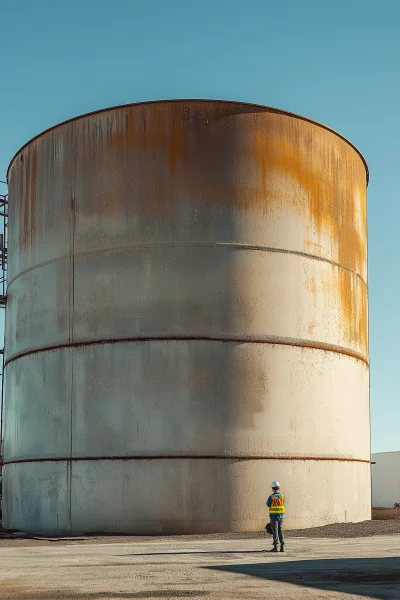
pixel 282 548
pixel 274 549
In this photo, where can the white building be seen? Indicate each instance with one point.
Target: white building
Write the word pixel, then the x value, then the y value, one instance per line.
pixel 385 479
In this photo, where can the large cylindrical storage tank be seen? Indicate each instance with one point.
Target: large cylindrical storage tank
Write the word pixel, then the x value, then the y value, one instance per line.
pixel 186 322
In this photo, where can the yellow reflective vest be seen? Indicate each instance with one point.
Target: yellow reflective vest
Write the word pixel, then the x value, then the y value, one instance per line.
pixel 277 505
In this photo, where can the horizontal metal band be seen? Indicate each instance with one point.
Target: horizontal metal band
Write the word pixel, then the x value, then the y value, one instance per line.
pixel 187 457
pixel 146 246
pixel 226 338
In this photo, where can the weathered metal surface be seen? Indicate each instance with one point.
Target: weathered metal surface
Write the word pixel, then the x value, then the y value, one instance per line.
pixel 252 283
pixel 168 496
pixel 186 397
pixel 195 274
pixel 153 281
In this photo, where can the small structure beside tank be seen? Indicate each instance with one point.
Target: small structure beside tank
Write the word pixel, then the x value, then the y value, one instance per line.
pixel 386 479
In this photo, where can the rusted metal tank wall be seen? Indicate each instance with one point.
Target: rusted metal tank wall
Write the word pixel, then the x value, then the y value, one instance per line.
pixel 187 320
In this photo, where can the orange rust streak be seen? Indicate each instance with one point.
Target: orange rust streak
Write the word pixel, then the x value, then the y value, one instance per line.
pixel 319 180
pixel 232 155
pixel 33 188
pixel 333 206
pixel 177 147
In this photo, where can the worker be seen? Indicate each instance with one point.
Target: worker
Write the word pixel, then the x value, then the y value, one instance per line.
pixel 276 505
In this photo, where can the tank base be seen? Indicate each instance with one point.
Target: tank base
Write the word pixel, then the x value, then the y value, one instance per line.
pixel 179 496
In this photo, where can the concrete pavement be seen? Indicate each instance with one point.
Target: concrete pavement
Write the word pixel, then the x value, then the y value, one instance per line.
pixel 356 568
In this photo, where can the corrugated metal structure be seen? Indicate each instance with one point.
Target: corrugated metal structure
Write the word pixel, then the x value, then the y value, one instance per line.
pixel 386 479
pixel 187 320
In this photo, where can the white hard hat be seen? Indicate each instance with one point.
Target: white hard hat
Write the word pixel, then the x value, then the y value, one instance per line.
pixel 275 484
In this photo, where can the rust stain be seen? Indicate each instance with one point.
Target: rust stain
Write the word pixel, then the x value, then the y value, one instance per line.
pixel 328 178
pixel 186 457
pixel 273 340
pixel 25 203
pixel 137 135
pixel 329 190
pixel 354 302
pixel 27 197
pixel 313 287
pixel 313 290
pixel 156 156
pixel 33 192
pixel 177 146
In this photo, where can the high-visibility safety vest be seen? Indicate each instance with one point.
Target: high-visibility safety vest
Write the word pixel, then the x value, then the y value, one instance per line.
pixel 278 505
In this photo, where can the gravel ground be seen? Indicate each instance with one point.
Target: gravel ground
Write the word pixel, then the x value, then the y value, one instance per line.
pixel 337 530
pixel 386 513
pixel 350 530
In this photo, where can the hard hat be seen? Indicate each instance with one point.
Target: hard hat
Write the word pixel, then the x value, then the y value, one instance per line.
pixel 275 484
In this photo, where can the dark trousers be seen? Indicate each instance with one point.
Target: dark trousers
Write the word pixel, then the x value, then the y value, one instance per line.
pixel 277 531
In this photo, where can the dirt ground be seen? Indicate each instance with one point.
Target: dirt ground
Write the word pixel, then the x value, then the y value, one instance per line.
pixel 385 513
pixel 344 561
pixel 202 567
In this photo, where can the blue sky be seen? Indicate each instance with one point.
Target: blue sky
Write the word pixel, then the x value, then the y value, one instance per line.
pixel 336 62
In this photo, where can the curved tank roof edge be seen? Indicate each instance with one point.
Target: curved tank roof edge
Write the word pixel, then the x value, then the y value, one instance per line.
pixel 268 108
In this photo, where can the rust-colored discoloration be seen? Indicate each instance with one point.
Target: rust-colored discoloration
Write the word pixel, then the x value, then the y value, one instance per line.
pixel 232 239
pixel 322 181
pixel 326 184
pixel 169 338
pixel 26 198
pixel 187 457
pixel 354 303
pixel 258 165
pixel 177 145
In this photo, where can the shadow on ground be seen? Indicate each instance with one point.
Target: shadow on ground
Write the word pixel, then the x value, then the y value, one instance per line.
pixel 195 552
pixel 371 577
pixel 11 534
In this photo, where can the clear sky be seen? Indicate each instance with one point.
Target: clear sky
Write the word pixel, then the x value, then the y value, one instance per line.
pixel 335 62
